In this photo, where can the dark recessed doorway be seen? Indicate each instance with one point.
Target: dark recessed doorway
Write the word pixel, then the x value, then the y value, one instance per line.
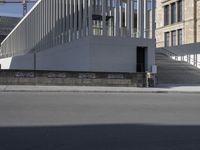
pixel 141 59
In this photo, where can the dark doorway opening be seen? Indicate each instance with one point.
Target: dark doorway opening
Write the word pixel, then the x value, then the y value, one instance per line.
pixel 141 59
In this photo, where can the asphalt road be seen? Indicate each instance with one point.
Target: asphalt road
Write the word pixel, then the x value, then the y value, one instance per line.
pixel 78 121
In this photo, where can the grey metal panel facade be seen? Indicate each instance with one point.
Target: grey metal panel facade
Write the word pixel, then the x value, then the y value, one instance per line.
pixel 55 22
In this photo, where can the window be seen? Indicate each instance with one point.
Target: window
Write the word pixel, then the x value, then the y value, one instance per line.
pixel 167 39
pixel 149 4
pixel 135 4
pixel 166 15
pixel 173 13
pixel 180 11
pixel 180 35
pixel 173 38
pixel 97 24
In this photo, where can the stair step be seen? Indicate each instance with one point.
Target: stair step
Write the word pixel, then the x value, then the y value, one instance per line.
pixel 176 72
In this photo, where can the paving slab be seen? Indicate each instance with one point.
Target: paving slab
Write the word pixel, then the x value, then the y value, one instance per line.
pixel 97 89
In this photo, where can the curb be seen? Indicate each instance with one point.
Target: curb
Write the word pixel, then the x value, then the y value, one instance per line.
pixel 100 91
pixel 97 89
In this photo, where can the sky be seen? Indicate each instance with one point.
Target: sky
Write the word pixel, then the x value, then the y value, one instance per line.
pixel 15 10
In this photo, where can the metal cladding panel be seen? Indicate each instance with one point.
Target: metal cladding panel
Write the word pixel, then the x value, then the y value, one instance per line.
pixel 55 22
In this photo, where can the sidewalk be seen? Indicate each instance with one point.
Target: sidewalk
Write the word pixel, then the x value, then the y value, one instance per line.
pixel 94 89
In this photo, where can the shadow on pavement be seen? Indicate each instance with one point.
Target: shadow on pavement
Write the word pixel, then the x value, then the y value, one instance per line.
pixel 177 85
pixel 101 137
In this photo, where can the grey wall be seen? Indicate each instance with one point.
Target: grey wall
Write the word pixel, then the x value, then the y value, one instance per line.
pixel 25 62
pixel 104 54
pixel 92 53
pixel 118 53
pixel 69 57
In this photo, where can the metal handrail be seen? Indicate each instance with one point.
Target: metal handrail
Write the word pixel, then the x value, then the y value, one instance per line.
pixel 172 54
pixel 167 52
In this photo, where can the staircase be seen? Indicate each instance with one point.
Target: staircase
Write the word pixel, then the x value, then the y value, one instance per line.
pixel 176 72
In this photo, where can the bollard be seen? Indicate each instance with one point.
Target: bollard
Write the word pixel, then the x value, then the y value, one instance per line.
pixel 148 76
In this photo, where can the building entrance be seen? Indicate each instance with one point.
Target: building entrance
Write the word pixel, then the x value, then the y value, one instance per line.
pixel 141 59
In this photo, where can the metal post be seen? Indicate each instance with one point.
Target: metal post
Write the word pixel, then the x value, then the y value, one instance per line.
pixel 104 17
pixel 153 19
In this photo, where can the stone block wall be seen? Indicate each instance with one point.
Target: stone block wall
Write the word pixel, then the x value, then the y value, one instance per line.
pixel 17 77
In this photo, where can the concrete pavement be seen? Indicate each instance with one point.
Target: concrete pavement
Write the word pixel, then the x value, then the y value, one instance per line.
pixel 97 89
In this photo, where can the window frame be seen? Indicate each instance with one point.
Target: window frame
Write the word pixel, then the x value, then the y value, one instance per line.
pixel 166 15
pixel 173 38
pixel 173 13
pixel 167 39
pixel 180 11
pixel 180 37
